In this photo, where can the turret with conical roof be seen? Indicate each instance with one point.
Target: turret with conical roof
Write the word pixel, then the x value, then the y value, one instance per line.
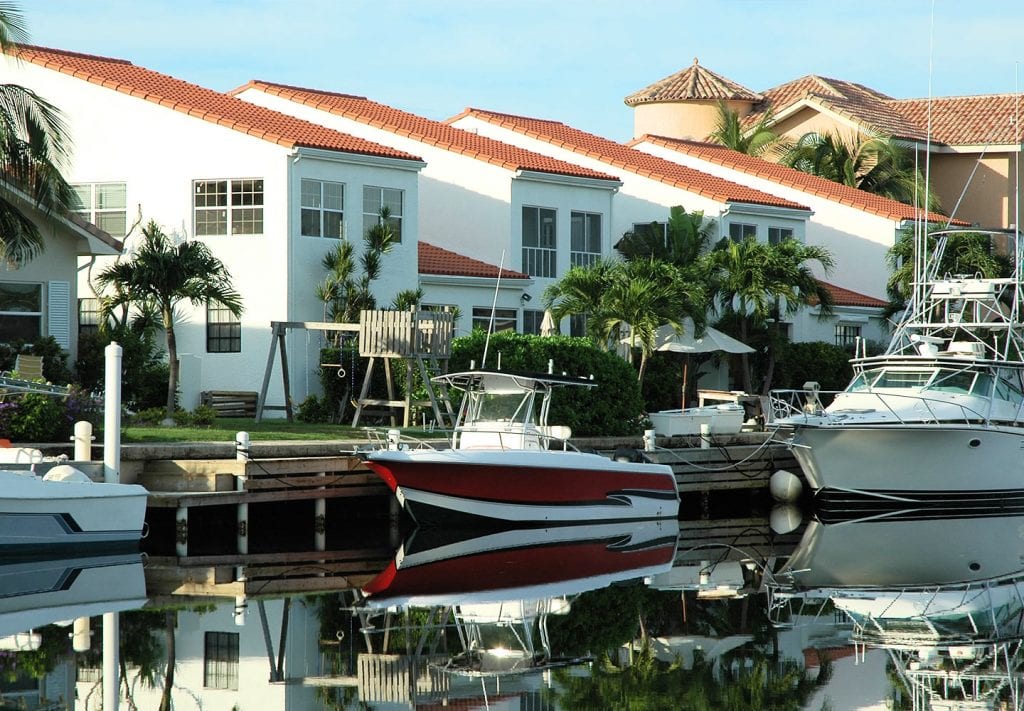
pixel 685 104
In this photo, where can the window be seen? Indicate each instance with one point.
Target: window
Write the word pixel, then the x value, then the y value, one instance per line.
pixel 778 234
pixel 220 661
pixel 584 238
pixel 539 241
pixel 739 231
pixel 847 334
pixel 223 329
pixel 225 207
pixel 104 205
pixel 376 198
pixel 504 319
pixel 578 325
pixel 323 206
pixel 658 228
pixel 21 311
pixel 532 320
pixel 88 316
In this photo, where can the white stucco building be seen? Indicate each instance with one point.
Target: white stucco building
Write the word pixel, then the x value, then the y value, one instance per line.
pixel 270 194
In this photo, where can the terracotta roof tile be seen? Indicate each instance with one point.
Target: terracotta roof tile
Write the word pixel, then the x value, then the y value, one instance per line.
pixel 435 260
pixel 955 120
pixel 630 159
pixel 207 104
pixel 434 133
pixel 790 177
pixel 693 83
pixel 966 120
pixel 845 297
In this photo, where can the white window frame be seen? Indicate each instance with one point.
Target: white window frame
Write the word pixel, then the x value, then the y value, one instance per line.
pixel 38 314
pixel 777 234
pixel 236 205
pixel 315 205
pixel 739 231
pixel 376 197
pixel 504 319
pixel 105 205
pixel 584 245
pixel 540 245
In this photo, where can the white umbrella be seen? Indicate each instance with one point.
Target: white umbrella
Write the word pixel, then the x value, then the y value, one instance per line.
pixel 713 340
pixel 548 326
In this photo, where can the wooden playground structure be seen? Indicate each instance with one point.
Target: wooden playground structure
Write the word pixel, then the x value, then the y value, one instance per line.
pixel 420 340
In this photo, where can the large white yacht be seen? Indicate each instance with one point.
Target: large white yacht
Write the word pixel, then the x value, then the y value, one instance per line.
pixel 941 411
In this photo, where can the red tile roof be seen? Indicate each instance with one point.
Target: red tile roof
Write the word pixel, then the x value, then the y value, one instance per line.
pixel 693 83
pixel 629 159
pixel 955 120
pixel 845 297
pixel 434 133
pixel 436 260
pixel 207 104
pixel 790 177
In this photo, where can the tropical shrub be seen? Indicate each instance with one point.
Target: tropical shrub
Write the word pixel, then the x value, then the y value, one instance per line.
pixel 825 363
pixel 143 368
pixel 54 357
pixel 34 417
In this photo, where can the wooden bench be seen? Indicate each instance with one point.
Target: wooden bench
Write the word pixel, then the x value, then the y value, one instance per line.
pixel 231 403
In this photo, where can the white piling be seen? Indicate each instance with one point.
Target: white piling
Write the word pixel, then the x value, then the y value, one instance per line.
pixel 81 636
pixel 111 474
pixel 83 441
pixel 650 440
pixel 705 436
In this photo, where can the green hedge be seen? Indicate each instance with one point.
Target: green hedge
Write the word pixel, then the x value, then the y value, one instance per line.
pixel 613 408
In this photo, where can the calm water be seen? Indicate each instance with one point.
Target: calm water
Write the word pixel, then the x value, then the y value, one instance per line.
pixel 904 610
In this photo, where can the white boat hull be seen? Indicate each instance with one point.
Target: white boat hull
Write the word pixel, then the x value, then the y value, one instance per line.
pixel 35 512
pixel 918 458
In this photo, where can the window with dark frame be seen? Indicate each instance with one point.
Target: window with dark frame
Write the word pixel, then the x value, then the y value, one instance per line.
pixel 847 334
pixel 223 329
pixel 88 316
pixel 532 320
pixel 375 198
pixel 220 661
pixel 225 207
pixel 539 242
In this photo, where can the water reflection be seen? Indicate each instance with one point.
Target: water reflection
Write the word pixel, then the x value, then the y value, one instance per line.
pixel 912 610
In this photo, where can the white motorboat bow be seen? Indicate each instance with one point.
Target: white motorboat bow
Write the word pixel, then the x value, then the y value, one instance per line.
pixel 63 507
pixel 941 412
pixel 507 464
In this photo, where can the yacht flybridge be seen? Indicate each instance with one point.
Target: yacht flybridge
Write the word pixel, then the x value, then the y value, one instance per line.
pixel 942 410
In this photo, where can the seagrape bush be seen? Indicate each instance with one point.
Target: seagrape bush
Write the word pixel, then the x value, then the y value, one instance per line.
pixel 37 418
pixel 613 408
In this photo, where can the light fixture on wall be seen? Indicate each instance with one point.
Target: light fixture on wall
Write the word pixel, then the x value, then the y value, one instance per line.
pixel 525 298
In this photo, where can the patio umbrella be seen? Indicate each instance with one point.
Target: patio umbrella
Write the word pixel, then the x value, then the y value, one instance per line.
pixel 548 325
pixel 713 340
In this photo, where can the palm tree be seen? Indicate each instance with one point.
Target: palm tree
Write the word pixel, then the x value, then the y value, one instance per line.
pixel 874 164
pixel 757 140
pixel 759 282
pixel 33 151
pixel 159 275
pixel 680 242
pixel 643 294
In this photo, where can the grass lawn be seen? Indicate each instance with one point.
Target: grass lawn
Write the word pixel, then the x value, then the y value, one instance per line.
pixel 225 428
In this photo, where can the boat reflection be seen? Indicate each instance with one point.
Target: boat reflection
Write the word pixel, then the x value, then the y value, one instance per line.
pixel 942 593
pixel 487 596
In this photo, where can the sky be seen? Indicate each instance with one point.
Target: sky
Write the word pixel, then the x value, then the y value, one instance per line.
pixel 569 60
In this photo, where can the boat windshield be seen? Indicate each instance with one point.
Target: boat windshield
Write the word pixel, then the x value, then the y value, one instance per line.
pixel 945 380
pixel 500 407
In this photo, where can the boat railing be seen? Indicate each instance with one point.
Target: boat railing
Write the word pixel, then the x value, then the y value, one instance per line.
pixel 549 437
pixel 792 405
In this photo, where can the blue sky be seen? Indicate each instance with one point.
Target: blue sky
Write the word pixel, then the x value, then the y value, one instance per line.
pixel 569 60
